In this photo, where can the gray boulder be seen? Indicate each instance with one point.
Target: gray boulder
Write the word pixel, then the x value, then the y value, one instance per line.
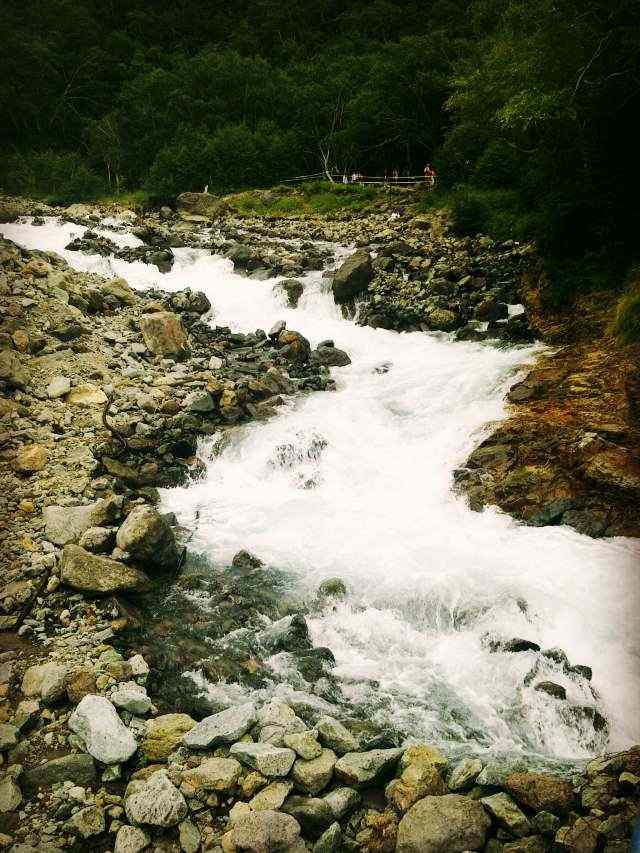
pixel 148 537
pixel 106 737
pixel 225 727
pixel 156 802
pixel 131 839
pixel 131 697
pixel 448 824
pixel 335 736
pixel 271 761
pixel 360 769
pixel 353 277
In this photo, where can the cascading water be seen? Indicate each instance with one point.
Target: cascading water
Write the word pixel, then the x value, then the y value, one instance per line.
pixel 357 484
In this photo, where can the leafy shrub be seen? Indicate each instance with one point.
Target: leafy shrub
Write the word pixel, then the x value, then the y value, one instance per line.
pixel 60 178
pixel 626 324
pixel 499 213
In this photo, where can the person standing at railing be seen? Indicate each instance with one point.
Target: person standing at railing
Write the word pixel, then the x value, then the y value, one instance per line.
pixel 429 175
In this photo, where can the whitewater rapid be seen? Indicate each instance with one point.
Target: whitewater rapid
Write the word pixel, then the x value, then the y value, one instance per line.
pixel 365 494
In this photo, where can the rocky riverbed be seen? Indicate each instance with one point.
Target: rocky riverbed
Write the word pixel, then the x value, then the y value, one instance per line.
pixel 107 391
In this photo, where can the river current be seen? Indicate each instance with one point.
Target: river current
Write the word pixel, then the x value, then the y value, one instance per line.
pixel 366 495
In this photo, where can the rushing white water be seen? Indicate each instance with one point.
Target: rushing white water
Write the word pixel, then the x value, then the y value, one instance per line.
pixel 365 494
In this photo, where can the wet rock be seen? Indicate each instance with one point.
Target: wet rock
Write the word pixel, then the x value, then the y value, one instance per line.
pixel 360 769
pixel 515 645
pixel 46 681
pixel 266 832
pixel 557 691
pixel 199 401
pixel 131 839
pixel 164 334
pixel 156 802
pixel 507 814
pixel 583 836
pixel 195 302
pixel 271 761
pixel 330 356
pixel 491 309
pixel 214 774
pixel 335 736
pixel 11 369
pixel 424 754
pixel 79 769
pixel 225 727
pixel 313 775
pixel 442 320
pixel 313 814
pixel 147 536
pixel 164 735
pixel 541 792
pixel 106 738
pixel 305 744
pixel 294 346
pixel 102 575
pixel 330 840
pixel 464 774
pixel 448 824
pixel 417 781
pixel 353 277
pixel 293 290
pixel 615 467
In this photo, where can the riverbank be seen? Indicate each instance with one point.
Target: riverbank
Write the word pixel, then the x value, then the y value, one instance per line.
pixel 274 768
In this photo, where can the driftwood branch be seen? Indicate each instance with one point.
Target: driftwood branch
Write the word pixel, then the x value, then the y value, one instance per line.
pixel 114 432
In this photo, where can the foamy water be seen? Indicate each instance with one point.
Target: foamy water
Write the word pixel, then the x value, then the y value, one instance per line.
pixel 365 495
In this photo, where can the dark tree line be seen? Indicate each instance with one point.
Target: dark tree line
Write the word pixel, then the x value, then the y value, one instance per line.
pixel 528 107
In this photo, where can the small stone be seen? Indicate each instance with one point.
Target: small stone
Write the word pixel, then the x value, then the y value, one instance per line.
pixel 8 736
pixel 271 761
pixel 131 839
pixel 313 814
pixel 342 801
pixel 189 835
pixel 199 401
pixel 58 387
pixel 87 822
pixel 86 395
pixel 79 769
pixel 32 458
pixel 132 697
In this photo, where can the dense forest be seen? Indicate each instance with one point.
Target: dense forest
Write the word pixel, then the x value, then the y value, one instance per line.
pixel 526 107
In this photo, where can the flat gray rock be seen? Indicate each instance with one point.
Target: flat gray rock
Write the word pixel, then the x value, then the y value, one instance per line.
pixel 225 727
pixel 271 761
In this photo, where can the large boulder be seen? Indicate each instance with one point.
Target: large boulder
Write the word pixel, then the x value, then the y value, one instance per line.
pixel 448 824
pixel 147 536
pixel 313 775
pixel 156 802
pixel 361 769
pixel 106 737
pixel 101 575
pixel 353 277
pixel 164 334
pixel 197 204
pixel 541 792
